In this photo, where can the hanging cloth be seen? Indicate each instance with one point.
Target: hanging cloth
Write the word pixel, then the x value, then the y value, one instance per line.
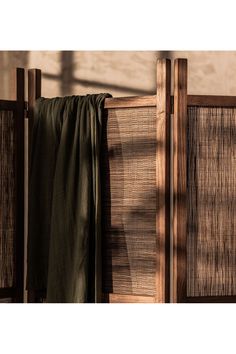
pixel 64 238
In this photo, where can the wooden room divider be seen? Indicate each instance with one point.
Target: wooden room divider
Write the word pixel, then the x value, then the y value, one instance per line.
pixel 135 192
pixel 168 193
pixel 204 195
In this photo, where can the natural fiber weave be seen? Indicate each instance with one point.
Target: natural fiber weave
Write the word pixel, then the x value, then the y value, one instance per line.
pixel 7 198
pixel 211 198
pixel 129 201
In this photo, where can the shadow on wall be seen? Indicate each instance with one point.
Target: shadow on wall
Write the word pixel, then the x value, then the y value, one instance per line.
pixel 66 77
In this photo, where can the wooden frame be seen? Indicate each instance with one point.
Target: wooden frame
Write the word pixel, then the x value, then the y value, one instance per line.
pixel 151 101
pixel 128 102
pixel 179 181
pixel 211 101
pixel 162 100
pixel 181 102
pixel 20 175
pixel 163 106
pixel 131 299
pixel 34 92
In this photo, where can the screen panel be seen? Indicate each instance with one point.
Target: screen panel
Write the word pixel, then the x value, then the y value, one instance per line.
pixel 211 202
pixel 7 199
pixel 129 201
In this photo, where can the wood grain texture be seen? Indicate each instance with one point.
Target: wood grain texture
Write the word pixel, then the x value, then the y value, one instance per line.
pixel 19 116
pixel 127 299
pixel 135 101
pixel 211 299
pixel 179 181
pixel 130 102
pixel 163 107
pixel 34 92
pixel 211 101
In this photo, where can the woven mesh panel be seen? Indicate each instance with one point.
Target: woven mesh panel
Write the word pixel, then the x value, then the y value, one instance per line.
pixel 7 198
pixel 211 183
pixel 129 201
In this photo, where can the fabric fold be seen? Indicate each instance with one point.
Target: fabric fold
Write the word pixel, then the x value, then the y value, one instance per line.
pixel 64 242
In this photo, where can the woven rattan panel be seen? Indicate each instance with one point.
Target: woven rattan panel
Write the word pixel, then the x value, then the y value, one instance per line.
pixel 129 201
pixel 7 198
pixel 211 184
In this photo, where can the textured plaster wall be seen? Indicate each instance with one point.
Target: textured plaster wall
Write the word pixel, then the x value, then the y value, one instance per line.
pixel 120 73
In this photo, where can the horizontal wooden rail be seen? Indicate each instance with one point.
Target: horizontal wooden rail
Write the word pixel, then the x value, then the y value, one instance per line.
pixel 129 102
pixel 7 292
pixel 150 101
pixel 120 298
pixel 7 105
pixel 211 299
pixel 132 102
pixel 10 105
pixel 211 101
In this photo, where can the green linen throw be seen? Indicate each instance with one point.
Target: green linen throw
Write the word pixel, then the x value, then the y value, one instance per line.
pixel 64 238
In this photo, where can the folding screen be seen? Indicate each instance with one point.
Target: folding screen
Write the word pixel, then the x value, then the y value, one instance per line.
pixel 135 192
pixel 204 192
pixel 135 161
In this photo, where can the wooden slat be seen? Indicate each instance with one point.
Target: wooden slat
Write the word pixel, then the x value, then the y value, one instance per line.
pixel 7 105
pixel 118 298
pixel 7 293
pixel 211 101
pixel 20 139
pixel 179 175
pixel 211 299
pixel 163 102
pixel 34 92
pixel 150 101
pixel 126 102
pixel 193 100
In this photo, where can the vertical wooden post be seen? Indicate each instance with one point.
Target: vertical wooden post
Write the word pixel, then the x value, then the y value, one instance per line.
pixel 17 93
pixel 34 92
pixel 180 181
pixel 163 178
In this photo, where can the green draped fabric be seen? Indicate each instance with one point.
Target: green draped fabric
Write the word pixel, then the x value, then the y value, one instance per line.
pixel 64 242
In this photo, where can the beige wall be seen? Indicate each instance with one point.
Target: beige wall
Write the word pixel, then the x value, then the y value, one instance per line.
pixel 120 73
